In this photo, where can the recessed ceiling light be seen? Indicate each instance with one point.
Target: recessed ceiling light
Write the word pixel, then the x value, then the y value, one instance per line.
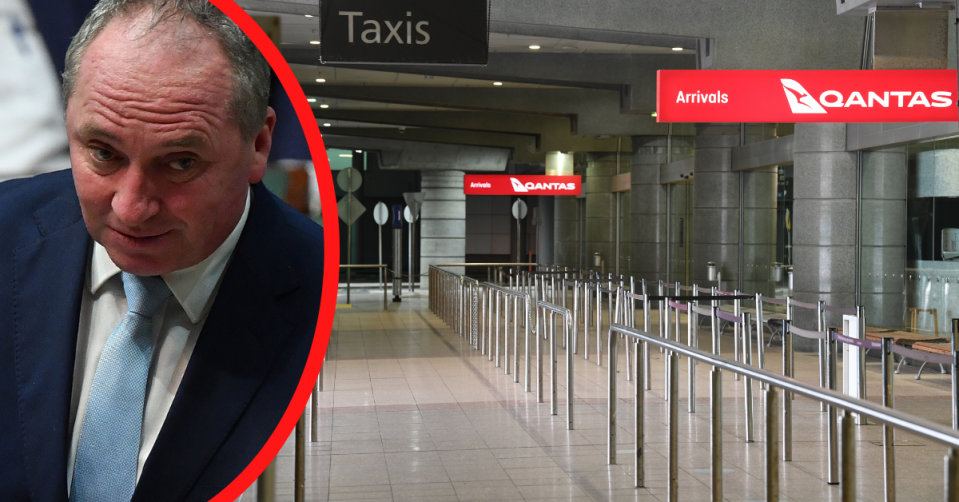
pixel 358 151
pixel 321 80
pixel 534 47
pixel 308 15
pixel 677 48
pixel 497 83
pixel 327 124
pixel 347 155
pixel 653 114
pixel 314 42
pixel 324 105
pixel 311 100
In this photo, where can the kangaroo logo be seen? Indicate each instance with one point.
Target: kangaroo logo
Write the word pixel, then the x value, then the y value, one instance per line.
pixel 517 186
pixel 799 100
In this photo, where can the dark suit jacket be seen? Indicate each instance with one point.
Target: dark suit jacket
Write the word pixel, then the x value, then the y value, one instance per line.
pixel 246 364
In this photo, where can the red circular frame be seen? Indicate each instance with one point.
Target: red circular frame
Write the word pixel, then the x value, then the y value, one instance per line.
pixel 331 249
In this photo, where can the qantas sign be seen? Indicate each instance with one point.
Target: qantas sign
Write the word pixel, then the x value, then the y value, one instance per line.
pixel 499 184
pixel 806 96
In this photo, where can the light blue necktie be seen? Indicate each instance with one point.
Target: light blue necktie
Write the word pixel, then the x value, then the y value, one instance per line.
pixel 105 469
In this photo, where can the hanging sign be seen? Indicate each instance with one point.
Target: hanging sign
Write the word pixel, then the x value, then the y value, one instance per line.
pixel 806 96
pixel 508 184
pixel 404 31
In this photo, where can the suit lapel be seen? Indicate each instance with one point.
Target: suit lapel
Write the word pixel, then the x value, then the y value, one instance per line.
pixel 47 290
pixel 233 356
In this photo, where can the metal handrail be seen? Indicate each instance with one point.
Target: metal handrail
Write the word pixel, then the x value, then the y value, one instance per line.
pixel 887 416
pixel 554 309
pixel 383 266
pixel 518 295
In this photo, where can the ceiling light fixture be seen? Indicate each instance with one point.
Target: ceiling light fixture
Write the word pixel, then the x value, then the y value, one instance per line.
pixel 321 80
pixel 314 42
pixel 534 47
pixel 677 48
pixel 497 83
pixel 653 114
pixel 324 105
pixel 311 100
pixel 358 151
pixel 308 15
pixel 327 124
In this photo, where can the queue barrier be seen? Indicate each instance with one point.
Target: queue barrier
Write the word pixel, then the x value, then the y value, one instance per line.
pixel 886 414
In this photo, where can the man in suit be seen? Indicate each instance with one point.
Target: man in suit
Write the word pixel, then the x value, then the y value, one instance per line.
pixel 102 397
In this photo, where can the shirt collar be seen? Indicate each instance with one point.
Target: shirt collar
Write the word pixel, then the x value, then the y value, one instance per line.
pixel 193 286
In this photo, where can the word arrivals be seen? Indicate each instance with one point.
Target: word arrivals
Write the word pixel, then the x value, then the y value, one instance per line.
pixel 492 184
pixel 372 35
pixel 806 96
pixel 698 97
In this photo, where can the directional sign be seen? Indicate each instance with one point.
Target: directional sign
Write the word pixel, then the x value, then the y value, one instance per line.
pixel 397 216
pixel 414 200
pixel 349 180
pixel 381 213
pixel 407 216
pixel 350 209
pixel 519 209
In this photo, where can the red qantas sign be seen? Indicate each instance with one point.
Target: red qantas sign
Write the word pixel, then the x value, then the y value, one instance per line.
pixel 806 96
pixel 506 184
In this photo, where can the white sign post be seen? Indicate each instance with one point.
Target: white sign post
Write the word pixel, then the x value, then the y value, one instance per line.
pixel 381 214
pixel 519 212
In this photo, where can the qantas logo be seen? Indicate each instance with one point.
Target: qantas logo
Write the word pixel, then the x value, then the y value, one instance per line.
pixel 519 187
pixel 799 100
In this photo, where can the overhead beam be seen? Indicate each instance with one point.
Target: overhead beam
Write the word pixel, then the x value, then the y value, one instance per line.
pixel 553 132
pixel 523 147
pixel 591 112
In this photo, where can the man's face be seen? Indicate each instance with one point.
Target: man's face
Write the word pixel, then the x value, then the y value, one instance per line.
pixel 160 167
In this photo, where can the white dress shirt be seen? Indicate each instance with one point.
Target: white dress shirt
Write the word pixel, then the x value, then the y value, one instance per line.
pixel 176 327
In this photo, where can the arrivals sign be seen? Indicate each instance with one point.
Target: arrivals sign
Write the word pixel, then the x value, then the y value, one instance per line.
pixel 505 184
pixel 404 31
pixel 806 96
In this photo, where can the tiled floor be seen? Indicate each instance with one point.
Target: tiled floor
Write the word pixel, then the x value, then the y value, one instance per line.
pixel 412 412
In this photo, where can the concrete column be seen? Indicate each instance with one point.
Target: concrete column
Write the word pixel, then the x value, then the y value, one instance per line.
pixel 566 231
pixel 544 230
pixel 759 239
pixel 824 221
pixel 442 220
pixel 600 209
pixel 648 209
pixel 716 204
pixel 884 236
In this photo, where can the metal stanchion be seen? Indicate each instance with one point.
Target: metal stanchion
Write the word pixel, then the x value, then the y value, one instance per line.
pixel 823 363
pixel 772 445
pixel 951 476
pixel 498 297
pixel 664 316
pixel 266 484
pixel 716 432
pixel 299 468
pixel 554 381
pixel 611 402
pixel 568 319
pixel 748 382
pixel 888 432
pixel 738 332
pixel 527 349
pixel 830 374
pixel 787 339
pixel 314 418
pixel 955 374
pixel 672 488
pixel 599 325
pixel 639 410
pixel 760 350
pixel 489 323
pixel 692 339
pixel 539 355
pixel 848 484
pixel 575 341
pixel 647 376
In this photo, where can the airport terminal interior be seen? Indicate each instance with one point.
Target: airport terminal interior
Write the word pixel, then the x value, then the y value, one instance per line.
pixel 485 367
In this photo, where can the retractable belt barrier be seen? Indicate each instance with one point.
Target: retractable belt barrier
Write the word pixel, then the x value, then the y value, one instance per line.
pixel 473 310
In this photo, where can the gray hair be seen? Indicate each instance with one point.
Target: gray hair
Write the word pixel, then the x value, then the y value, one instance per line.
pixel 251 72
